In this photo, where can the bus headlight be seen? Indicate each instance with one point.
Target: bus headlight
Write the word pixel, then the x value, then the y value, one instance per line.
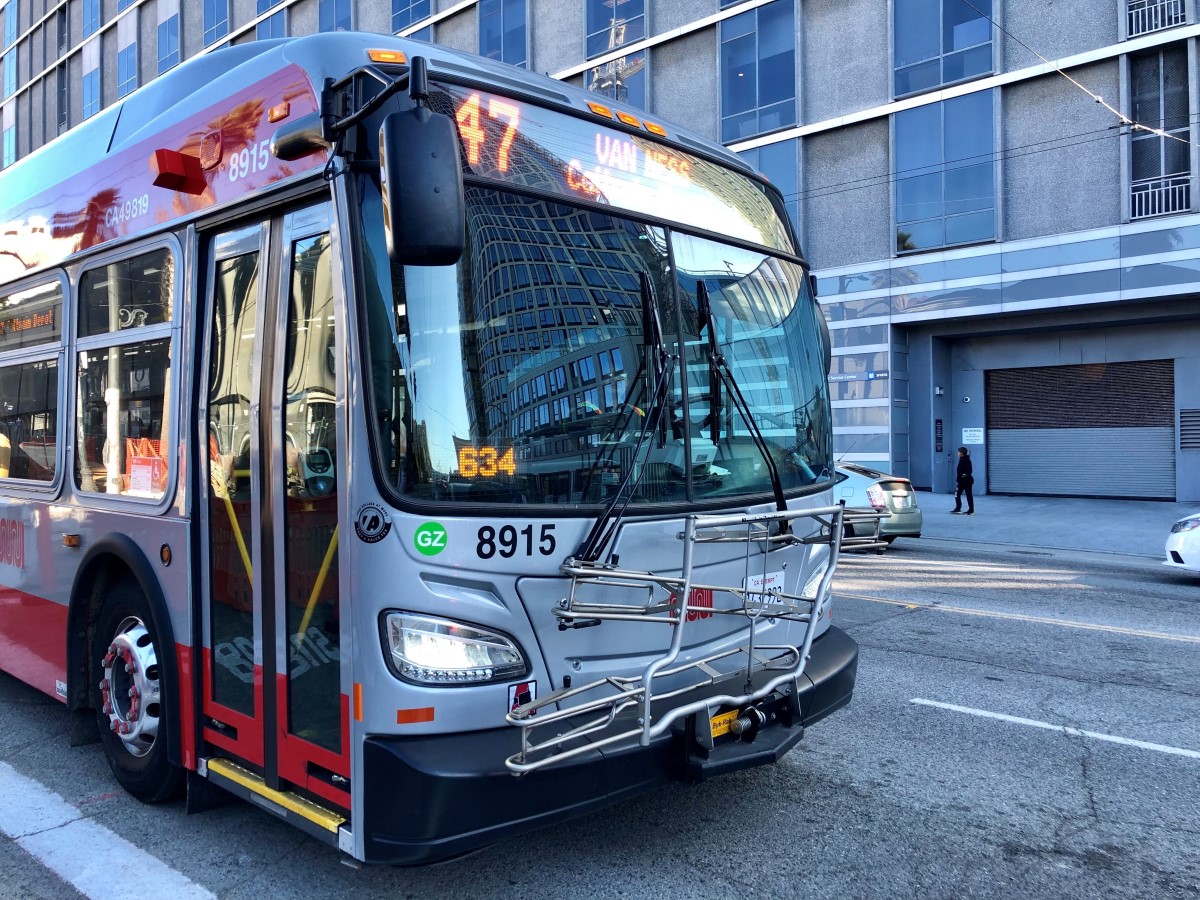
pixel 432 651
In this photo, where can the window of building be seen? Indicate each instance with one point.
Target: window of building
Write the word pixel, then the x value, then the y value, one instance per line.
pixel 423 34
pixel 168 43
pixel 124 373
pixel 408 12
pixel 124 4
pixel 940 42
pixel 12 23
pixel 9 153
pixel 264 5
pixel 10 73
pixel 60 21
pixel 91 93
pixel 91 17
pixel 64 100
pixel 502 32
pixel 758 71
pixel 622 79
pixel 273 26
pixel 779 163
pixel 1154 15
pixel 1160 164
pixel 945 173
pixel 216 20
pixel 333 15
pixel 29 383
pixel 614 23
pixel 127 70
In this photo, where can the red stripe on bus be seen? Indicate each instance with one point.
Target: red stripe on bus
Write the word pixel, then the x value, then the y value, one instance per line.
pixel 33 640
pixel 295 753
pixel 248 743
pixel 187 706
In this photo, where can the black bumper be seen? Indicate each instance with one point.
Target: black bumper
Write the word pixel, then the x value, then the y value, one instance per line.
pixel 438 796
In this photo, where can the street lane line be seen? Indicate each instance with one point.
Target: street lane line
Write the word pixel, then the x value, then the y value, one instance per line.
pixel 1020 617
pixel 1064 729
pixel 98 863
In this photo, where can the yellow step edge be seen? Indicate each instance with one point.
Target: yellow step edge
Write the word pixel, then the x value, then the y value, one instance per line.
pixel 318 815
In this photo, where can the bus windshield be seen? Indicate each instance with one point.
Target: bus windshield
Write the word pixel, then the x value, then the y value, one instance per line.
pixel 526 373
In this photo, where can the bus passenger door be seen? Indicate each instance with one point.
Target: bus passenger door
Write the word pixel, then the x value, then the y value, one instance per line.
pixel 272 694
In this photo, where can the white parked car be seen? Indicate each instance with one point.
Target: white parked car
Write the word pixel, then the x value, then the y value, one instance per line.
pixel 1183 544
pixel 860 487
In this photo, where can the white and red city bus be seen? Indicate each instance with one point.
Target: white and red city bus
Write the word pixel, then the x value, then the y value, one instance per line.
pixel 556 367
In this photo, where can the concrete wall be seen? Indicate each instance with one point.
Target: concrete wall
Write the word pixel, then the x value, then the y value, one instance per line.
pixel 684 81
pixel 556 38
pixel 1060 147
pixel 667 14
pixel 844 55
pixel 460 32
pixel 1055 28
pixel 846 206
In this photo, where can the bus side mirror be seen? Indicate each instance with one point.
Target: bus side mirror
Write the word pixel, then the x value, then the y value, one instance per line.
pixel 424 213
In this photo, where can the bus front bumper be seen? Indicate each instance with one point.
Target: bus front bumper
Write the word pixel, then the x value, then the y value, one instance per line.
pixel 434 797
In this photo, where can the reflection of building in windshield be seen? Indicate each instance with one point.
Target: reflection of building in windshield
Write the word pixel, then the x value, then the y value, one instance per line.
pixel 555 333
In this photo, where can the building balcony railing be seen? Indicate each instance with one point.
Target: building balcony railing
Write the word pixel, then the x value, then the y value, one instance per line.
pixel 1154 15
pixel 1160 196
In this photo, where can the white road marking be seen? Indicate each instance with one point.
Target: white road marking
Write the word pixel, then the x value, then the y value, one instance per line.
pixel 1021 617
pixel 1064 729
pixel 96 862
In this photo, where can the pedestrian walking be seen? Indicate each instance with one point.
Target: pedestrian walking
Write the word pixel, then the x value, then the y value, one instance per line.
pixel 964 481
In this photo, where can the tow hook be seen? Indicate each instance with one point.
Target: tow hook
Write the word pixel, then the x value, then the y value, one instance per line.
pixel 747 725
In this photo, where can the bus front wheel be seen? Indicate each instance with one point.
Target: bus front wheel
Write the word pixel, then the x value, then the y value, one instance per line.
pixel 129 698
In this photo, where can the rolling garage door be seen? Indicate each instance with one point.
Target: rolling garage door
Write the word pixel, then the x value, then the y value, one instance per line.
pixel 1083 431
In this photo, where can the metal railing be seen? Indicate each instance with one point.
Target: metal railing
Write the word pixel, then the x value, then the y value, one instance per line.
pixel 1160 196
pixel 1154 15
pixel 636 709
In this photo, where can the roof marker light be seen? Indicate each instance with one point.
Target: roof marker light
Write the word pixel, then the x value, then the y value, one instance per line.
pixel 600 109
pixel 655 129
pixel 279 112
pixel 629 120
pixel 387 56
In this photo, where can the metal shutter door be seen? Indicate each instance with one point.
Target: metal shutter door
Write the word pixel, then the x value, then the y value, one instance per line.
pixel 1082 431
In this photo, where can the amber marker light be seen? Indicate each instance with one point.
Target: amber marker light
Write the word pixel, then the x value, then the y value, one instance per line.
pixel 601 110
pixel 279 112
pixel 71 540
pixel 655 129
pixel 629 120
pixel 387 56
pixel 164 554
pixel 357 701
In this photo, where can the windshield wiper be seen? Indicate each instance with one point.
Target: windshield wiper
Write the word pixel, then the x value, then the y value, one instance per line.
pixel 656 365
pixel 720 372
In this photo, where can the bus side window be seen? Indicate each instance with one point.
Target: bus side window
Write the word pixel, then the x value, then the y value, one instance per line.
pixel 124 376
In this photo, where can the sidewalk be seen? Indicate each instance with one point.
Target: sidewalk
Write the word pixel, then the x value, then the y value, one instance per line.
pixel 1133 527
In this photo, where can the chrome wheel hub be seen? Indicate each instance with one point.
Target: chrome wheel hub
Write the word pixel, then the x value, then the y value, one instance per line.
pixel 129 688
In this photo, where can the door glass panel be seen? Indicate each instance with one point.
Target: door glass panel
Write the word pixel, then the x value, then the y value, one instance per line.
pixel 310 505
pixel 231 536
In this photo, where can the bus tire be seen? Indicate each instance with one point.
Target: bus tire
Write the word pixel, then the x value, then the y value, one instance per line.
pixel 129 697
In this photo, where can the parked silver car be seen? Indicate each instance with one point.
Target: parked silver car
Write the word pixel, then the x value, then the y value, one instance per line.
pixel 860 487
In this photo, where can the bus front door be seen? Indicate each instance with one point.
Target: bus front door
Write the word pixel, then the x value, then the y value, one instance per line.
pixel 273 698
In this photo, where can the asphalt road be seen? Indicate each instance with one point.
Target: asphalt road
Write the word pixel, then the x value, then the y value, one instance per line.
pixel 1026 724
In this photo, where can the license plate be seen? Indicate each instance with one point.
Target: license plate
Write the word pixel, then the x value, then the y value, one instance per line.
pixel 901 502
pixel 722 723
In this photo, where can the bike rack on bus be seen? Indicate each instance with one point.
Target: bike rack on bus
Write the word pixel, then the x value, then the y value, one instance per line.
pixel 594 711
